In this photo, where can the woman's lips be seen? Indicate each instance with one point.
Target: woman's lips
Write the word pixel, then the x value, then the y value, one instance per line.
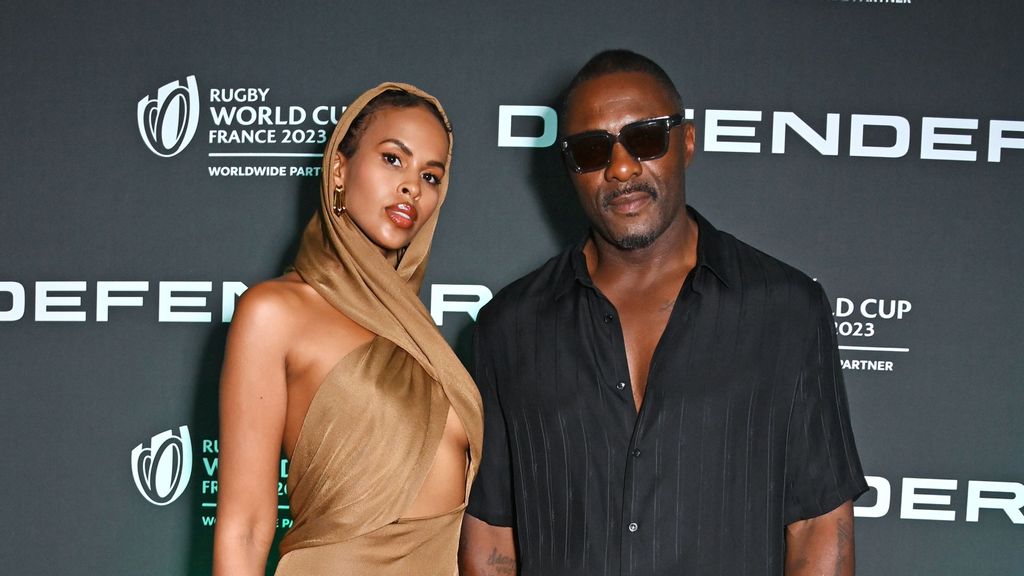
pixel 403 215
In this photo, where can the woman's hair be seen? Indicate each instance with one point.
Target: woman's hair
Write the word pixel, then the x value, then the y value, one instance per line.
pixel 386 99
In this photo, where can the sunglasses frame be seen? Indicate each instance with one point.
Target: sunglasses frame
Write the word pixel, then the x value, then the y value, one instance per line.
pixel 667 122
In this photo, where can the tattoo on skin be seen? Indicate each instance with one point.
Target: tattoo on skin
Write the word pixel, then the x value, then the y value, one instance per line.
pixel 501 565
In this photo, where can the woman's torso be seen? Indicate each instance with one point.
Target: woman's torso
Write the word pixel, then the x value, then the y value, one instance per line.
pixel 378 473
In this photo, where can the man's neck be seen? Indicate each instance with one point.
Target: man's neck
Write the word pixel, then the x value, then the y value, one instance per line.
pixel 673 253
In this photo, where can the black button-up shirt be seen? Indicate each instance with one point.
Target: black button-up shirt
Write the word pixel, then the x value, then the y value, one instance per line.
pixel 744 427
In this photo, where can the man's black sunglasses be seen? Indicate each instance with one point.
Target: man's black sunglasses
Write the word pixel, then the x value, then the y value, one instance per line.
pixel 644 140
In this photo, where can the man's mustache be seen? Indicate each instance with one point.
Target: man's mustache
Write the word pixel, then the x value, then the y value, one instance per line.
pixel 644 187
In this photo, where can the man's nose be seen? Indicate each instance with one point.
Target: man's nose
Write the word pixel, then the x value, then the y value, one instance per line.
pixel 622 166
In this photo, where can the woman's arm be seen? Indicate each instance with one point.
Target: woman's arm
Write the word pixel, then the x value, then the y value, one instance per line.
pixel 253 402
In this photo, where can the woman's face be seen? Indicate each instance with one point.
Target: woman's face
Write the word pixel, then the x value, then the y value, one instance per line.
pixel 392 181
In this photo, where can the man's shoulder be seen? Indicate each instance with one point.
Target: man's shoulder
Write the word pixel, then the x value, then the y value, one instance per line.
pixel 755 269
pixel 530 291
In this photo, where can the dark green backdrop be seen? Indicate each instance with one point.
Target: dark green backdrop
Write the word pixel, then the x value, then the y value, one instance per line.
pixel 85 202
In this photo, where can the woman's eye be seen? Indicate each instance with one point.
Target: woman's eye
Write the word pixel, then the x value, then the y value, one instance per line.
pixel 392 159
pixel 431 179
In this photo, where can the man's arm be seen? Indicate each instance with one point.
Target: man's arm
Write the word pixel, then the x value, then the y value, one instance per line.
pixel 822 545
pixel 486 550
pixel 822 468
pixel 487 543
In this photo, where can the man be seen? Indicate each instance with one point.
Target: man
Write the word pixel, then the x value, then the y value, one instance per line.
pixel 661 398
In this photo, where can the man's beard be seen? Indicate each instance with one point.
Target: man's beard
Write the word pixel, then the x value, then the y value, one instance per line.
pixel 639 239
pixel 636 241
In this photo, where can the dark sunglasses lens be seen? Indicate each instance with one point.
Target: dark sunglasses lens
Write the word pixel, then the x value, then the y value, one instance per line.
pixel 645 141
pixel 590 152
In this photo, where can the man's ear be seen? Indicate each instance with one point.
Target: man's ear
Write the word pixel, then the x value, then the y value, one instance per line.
pixel 689 134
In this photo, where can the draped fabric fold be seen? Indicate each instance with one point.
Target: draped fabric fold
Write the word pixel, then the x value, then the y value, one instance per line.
pixel 406 377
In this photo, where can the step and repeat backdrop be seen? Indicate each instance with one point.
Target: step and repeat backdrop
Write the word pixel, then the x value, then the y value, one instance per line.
pixel 159 158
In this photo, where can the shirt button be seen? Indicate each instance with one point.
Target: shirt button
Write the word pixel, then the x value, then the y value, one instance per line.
pixel 636 453
pixel 620 385
pixel 633 527
pixel 608 318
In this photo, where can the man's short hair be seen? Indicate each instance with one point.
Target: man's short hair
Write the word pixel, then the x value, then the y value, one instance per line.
pixel 619 60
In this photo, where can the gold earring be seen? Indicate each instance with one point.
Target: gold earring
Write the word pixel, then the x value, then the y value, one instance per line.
pixel 339 200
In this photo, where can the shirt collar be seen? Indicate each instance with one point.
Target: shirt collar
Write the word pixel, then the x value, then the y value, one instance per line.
pixel 712 255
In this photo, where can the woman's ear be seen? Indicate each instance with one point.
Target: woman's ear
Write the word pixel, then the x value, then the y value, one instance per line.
pixel 338 169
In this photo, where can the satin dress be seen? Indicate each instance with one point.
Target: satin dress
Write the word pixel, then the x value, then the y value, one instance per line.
pixel 364 450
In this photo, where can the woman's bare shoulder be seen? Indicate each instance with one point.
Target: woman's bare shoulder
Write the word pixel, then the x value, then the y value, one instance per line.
pixel 287 303
pixel 273 301
pixel 263 329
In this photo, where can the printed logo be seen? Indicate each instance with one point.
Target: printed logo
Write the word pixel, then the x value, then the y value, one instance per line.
pixel 192 301
pixel 859 321
pixel 163 468
pixel 168 122
pixel 247 133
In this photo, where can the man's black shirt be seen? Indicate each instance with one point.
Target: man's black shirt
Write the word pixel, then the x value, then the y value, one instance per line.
pixel 744 427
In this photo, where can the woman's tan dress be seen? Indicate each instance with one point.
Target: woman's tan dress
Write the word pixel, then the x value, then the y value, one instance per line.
pixel 376 421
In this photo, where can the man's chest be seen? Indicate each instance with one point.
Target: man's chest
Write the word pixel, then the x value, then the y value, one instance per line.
pixel 579 366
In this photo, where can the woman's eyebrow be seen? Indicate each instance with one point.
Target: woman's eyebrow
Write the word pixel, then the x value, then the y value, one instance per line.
pixel 408 152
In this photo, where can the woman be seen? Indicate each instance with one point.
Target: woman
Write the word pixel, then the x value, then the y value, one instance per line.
pixel 339 363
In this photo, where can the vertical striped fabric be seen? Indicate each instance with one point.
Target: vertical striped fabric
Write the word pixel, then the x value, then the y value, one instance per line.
pixel 744 427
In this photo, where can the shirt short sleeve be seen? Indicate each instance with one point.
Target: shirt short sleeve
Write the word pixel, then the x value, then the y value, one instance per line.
pixel 490 499
pixel 823 469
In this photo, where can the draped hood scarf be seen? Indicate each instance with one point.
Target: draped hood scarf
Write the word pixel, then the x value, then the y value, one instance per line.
pixel 380 292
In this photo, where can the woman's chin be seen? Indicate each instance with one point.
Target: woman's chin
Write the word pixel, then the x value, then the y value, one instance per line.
pixel 388 245
pixel 389 239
